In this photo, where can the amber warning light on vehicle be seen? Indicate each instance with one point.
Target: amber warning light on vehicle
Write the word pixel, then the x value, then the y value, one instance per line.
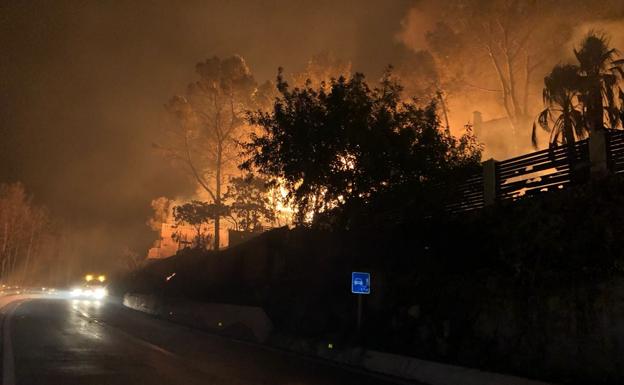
pixel 91 277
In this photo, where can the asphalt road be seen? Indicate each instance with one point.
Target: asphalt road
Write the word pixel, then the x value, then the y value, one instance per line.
pixel 59 341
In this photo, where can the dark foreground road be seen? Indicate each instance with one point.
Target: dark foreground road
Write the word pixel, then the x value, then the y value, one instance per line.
pixel 54 341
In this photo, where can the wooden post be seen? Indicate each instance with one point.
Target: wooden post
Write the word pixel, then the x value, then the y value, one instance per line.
pixel 598 160
pixel 489 181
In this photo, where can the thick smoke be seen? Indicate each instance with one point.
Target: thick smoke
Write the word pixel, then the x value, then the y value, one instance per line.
pixel 462 35
pixel 83 84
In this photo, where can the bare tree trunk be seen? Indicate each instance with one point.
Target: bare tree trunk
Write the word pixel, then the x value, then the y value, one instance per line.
pixel 527 81
pixel 506 96
pixel 5 238
pixel 28 251
pixel 9 261
pixel 198 237
pixel 217 222
pixel 15 259
pixel 444 111
pixel 512 84
pixel 4 254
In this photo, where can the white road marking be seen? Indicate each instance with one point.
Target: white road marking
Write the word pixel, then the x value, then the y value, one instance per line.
pixel 8 360
pixel 129 336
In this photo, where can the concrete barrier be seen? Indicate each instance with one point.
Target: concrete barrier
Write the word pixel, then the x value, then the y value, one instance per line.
pixel 144 303
pixel 241 322
pixel 252 324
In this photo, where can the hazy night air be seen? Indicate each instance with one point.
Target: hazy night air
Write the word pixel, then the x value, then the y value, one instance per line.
pixel 312 192
pixel 84 84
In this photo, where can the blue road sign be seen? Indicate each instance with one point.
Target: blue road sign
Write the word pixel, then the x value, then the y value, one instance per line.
pixel 360 283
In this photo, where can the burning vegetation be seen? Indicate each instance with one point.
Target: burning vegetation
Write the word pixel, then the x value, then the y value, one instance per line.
pixel 499 73
pixel 331 147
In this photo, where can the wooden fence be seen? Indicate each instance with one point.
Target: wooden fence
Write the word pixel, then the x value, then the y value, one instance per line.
pixel 541 171
pixel 468 195
pixel 615 151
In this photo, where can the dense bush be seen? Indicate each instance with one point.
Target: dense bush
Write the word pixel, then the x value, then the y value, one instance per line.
pixel 345 144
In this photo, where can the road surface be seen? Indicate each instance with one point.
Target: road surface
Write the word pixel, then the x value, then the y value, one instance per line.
pixel 71 342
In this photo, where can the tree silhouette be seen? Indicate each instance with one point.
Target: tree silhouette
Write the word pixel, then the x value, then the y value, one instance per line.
pixel 320 69
pixel 493 46
pixel 562 90
pixel 211 120
pixel 198 214
pixel 337 145
pixel 25 231
pixel 250 204
pixel 420 76
pixel 584 98
pixel 601 73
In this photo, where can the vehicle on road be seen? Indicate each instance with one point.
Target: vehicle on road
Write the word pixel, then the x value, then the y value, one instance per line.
pixel 93 287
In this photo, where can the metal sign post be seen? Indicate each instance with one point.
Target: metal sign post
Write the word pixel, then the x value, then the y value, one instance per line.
pixel 359 314
pixel 360 285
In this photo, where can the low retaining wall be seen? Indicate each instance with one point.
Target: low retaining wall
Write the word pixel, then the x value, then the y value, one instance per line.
pixel 252 324
pixel 242 322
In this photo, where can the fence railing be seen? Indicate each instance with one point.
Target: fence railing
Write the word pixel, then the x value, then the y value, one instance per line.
pixel 552 169
pixel 468 195
pixel 542 171
pixel 615 151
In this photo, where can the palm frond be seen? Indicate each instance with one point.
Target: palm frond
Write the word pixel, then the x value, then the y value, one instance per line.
pixel 613 113
pixel 559 124
pixel 609 96
pixel 609 79
pixel 578 124
pixel 577 118
pixel 617 70
pixel 611 107
pixel 534 136
pixel 542 119
pixel 554 137
pixel 609 54
pixel 578 56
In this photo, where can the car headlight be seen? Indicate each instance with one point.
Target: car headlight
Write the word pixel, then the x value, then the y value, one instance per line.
pixel 100 292
pixel 76 292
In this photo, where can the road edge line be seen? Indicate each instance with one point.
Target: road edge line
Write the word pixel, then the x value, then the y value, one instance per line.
pixel 8 359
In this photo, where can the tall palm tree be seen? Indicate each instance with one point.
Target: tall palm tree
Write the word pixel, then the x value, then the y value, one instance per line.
pixel 601 73
pixel 562 89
